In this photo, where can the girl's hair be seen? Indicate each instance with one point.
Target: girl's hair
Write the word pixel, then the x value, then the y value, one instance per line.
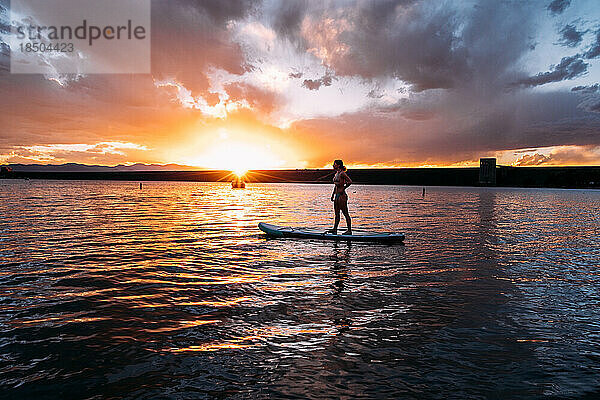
pixel 341 164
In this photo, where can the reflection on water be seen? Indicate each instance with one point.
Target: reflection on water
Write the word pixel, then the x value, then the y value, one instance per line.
pixel 109 291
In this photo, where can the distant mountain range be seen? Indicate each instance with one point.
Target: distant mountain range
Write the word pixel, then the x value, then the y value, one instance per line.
pixel 74 167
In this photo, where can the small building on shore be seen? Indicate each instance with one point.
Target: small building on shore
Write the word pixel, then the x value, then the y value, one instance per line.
pixel 487 171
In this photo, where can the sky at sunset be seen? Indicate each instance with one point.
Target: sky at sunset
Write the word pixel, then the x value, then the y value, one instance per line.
pixel 296 84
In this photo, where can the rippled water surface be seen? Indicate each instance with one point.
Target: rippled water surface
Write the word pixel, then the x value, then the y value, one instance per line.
pixel 109 291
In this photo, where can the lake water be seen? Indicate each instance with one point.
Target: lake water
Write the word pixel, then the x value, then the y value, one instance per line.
pixel 109 291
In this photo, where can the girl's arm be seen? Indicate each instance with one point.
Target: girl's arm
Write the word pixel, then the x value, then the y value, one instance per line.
pixel 347 180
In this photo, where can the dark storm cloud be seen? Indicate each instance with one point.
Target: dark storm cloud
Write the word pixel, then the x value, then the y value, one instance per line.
pixel 222 11
pixel 590 96
pixel 315 84
pixel 570 36
pixel 592 106
pixel 558 6
pixel 458 63
pixel 4 57
pixel 428 45
pixel 4 29
pixel 421 49
pixel 569 68
pixel 594 50
pixel 4 26
pixel 189 37
pixel 288 16
pixel 586 89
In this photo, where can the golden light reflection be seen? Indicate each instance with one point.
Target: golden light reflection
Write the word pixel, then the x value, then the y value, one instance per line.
pixel 218 304
pixel 183 325
pixel 227 303
pixel 57 295
pixel 55 320
pixel 210 347
pixel 226 280
pixel 254 335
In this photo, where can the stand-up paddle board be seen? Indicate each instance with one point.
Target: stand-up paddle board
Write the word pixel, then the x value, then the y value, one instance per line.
pixel 313 233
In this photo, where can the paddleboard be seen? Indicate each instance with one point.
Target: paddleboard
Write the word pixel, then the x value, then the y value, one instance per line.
pixel 320 234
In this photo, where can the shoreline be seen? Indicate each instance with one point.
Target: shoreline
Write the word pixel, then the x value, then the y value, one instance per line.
pixel 534 177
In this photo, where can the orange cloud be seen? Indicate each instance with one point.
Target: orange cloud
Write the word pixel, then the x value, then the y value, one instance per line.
pixel 562 155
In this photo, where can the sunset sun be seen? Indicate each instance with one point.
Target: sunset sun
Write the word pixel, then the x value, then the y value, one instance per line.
pixel 237 157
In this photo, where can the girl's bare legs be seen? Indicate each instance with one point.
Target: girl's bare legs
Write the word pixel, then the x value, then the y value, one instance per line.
pixel 336 209
pixel 344 208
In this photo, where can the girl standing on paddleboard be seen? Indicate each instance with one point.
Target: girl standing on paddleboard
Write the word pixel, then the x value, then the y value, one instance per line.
pixel 341 180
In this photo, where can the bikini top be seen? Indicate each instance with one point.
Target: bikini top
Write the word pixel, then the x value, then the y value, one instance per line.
pixel 336 177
